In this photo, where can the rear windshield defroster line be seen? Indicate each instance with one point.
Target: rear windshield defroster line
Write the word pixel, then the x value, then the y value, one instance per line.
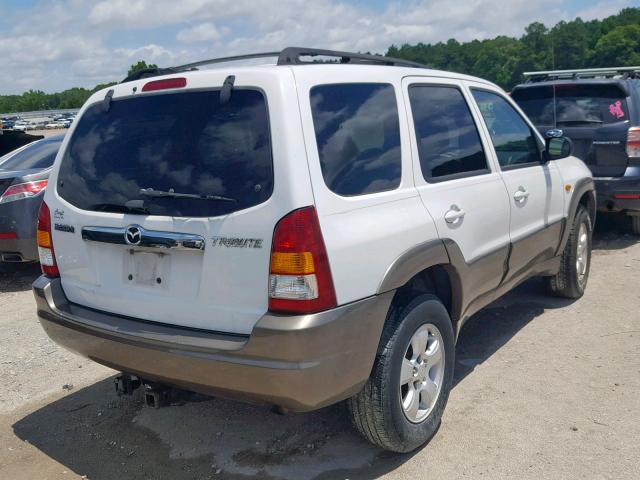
pixel 183 142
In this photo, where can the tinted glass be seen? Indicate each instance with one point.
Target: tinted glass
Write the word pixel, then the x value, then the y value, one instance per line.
pixel 40 154
pixel 513 140
pixel 448 140
pixel 358 137
pixel 576 105
pixel 187 142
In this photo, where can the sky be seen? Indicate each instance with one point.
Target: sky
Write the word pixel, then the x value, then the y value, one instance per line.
pixel 58 44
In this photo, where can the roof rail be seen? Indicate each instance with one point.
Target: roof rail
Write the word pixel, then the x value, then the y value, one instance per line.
pixel 288 56
pixel 291 56
pixel 191 66
pixel 627 72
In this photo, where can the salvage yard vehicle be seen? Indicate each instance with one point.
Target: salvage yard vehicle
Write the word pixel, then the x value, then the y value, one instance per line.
pixel 599 110
pixel 303 233
pixel 24 175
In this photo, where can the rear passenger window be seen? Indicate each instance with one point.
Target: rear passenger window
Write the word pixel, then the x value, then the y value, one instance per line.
pixel 448 140
pixel 513 140
pixel 358 137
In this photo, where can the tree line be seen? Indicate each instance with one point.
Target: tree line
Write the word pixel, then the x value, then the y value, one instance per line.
pixel 613 41
pixel 35 100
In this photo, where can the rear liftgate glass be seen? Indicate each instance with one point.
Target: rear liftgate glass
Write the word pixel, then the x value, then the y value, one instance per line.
pixel 181 154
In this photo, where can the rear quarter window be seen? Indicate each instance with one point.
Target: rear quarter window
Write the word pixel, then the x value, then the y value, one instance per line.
pixel 183 142
pixel 358 137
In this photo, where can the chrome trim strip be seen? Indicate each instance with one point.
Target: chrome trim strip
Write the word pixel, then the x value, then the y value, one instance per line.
pixel 148 238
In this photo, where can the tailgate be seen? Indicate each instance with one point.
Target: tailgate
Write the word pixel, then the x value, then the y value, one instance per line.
pixel 603 149
pixel 165 203
pixel 594 115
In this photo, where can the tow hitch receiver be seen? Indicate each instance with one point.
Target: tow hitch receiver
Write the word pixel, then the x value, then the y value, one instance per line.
pixel 156 396
pixel 126 384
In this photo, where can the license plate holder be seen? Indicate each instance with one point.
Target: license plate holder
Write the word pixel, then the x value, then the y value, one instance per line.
pixel 147 269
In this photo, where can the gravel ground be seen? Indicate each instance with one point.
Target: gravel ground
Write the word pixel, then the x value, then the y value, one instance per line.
pixel 544 388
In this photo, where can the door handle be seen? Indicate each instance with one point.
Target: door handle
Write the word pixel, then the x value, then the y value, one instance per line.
pixel 454 214
pixel 521 194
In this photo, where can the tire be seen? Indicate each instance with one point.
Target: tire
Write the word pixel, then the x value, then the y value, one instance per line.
pixel 571 280
pixel 377 411
pixel 635 224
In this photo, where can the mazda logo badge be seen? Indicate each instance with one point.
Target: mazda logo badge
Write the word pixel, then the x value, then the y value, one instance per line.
pixel 132 235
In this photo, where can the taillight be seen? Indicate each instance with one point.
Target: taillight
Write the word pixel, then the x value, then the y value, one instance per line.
pixel 164 84
pixel 23 190
pixel 633 142
pixel 299 274
pixel 45 243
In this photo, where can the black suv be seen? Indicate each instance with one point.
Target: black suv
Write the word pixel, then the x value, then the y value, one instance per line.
pixel 599 110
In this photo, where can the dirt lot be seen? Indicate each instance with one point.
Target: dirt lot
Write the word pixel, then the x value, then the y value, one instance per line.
pixel 544 388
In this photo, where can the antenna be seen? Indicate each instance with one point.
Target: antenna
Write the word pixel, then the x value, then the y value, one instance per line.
pixel 553 67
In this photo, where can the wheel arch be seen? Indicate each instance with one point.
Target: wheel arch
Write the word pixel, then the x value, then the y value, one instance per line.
pixel 584 194
pixel 425 268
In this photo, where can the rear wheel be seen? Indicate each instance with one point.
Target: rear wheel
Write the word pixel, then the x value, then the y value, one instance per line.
pixel 571 280
pixel 401 405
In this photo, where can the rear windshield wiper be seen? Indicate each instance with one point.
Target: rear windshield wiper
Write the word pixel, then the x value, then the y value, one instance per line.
pixel 150 192
pixel 119 208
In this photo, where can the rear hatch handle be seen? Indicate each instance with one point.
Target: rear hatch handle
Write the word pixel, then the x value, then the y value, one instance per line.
pixel 136 236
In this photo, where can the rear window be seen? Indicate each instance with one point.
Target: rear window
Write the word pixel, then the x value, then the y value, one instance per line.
pixel 575 105
pixel 358 137
pixel 213 159
pixel 40 154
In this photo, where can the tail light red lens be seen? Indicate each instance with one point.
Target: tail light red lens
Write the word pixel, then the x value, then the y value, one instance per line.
pixel 164 84
pixel 627 196
pixel 633 142
pixel 299 275
pixel 45 243
pixel 23 190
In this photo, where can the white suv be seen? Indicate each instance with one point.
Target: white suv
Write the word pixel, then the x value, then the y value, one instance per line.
pixel 303 233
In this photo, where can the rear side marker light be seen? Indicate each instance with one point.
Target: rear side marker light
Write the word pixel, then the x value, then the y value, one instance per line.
pixel 299 274
pixel 165 84
pixel 23 190
pixel 633 142
pixel 45 243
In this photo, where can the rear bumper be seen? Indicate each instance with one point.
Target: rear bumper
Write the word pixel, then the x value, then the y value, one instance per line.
pixel 609 190
pixel 300 362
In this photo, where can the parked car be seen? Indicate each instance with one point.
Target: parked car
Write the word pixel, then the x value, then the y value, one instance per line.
pixel 24 175
pixel 52 125
pixel 317 233
pixel 11 140
pixel 20 126
pixel 7 124
pixel 599 110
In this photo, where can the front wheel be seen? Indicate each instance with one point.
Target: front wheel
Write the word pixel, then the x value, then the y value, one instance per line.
pixel 401 405
pixel 571 280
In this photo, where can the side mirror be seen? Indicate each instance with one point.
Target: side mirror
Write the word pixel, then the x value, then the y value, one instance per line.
pixel 557 148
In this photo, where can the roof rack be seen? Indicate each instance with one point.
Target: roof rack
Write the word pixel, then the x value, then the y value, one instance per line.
pixel 287 56
pixel 611 72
